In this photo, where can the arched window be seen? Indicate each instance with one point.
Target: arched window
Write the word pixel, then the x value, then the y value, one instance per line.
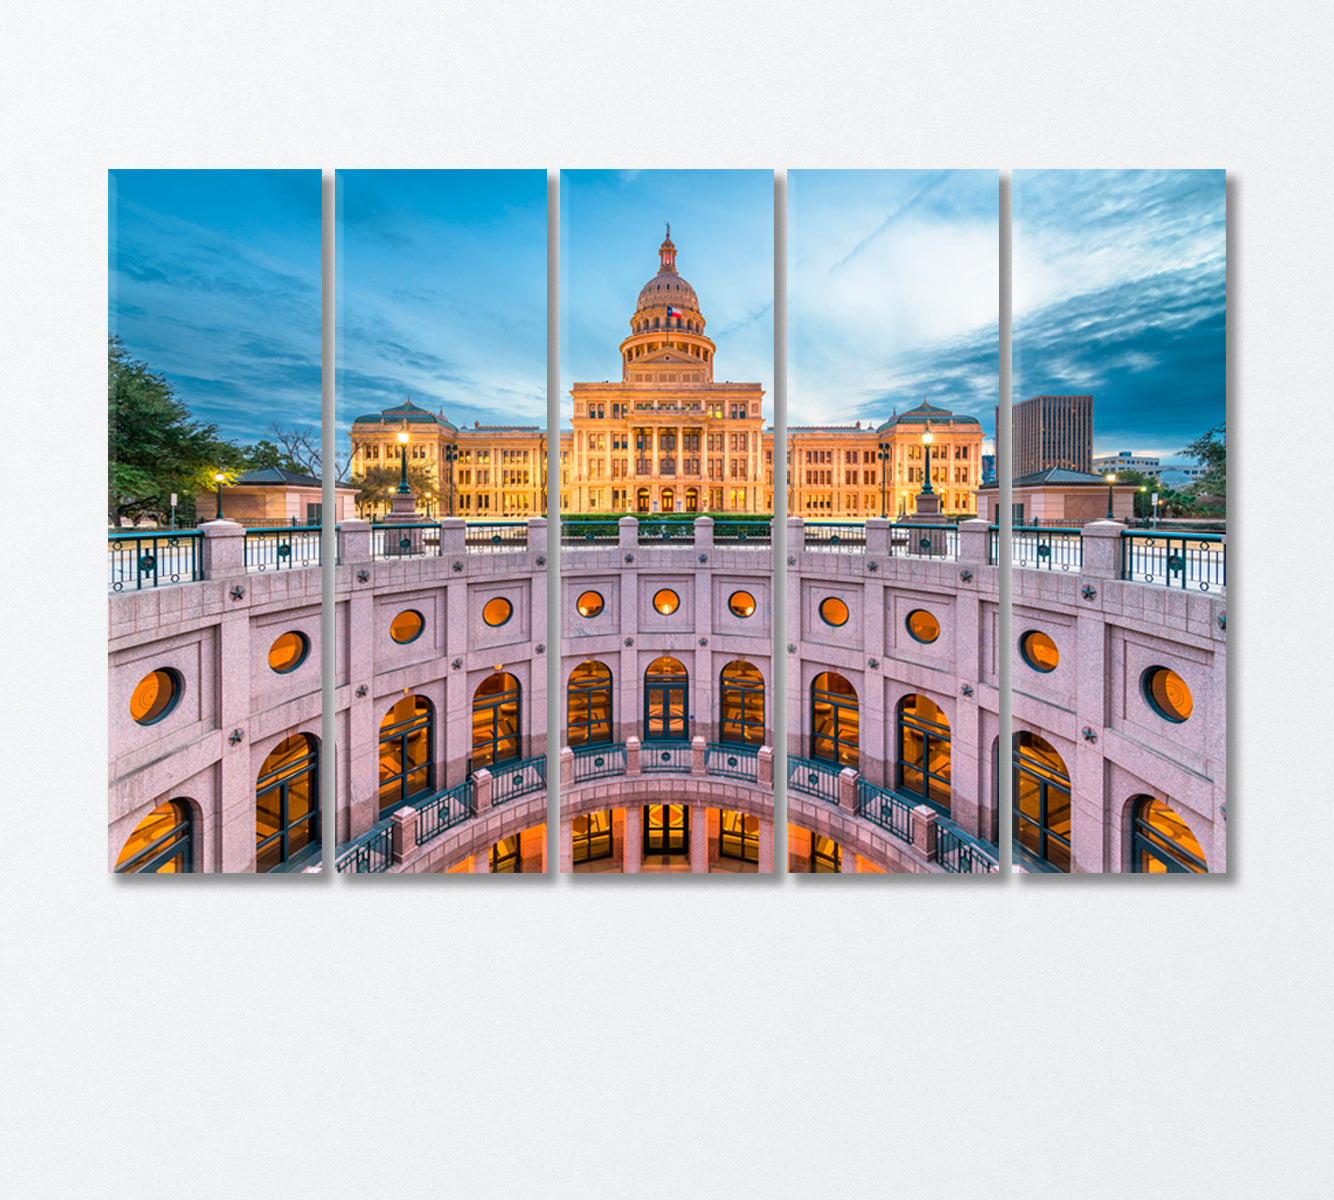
pixel 1041 800
pixel 590 837
pixel 692 498
pixel 160 843
pixel 405 752
pixel 642 500
pixel 665 684
pixel 741 704
pixel 1161 842
pixel 924 751
pixel 287 804
pixel 506 857
pixel 495 721
pixel 668 500
pixel 588 705
pixel 834 720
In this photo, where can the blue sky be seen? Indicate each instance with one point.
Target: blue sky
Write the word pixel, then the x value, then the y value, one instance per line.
pixel 611 228
pixel 893 281
pixel 442 294
pixel 215 282
pixel 1120 291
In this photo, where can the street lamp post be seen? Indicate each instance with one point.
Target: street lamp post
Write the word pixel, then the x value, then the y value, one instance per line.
pixel 927 438
pixel 218 477
pixel 403 489
pixel 1111 479
pixel 884 467
pixel 451 453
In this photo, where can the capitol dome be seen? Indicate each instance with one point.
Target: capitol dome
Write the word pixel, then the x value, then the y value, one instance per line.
pixel 667 287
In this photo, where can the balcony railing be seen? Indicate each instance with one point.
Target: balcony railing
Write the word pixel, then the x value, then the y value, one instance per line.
pixel 818 779
pixel 833 537
pixel 141 560
pixel 1197 560
pixel 742 533
pixel 666 533
pixel 496 535
pixel 511 780
pixel 405 541
pixel 961 853
pixel 370 853
pixel 590 533
pixel 911 540
pixel 732 761
pixel 282 548
pixel 885 809
pixel 598 762
pixel 444 810
pixel 665 757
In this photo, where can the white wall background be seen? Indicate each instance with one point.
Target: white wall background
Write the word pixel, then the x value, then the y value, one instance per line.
pixel 1085 1038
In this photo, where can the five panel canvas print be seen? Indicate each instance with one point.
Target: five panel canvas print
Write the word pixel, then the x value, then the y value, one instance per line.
pixel 675 684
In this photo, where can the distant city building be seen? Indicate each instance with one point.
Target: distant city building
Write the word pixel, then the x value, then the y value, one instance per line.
pixel 1126 461
pixel 988 468
pixel 1053 431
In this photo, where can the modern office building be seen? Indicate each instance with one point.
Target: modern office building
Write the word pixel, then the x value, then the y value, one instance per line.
pixel 1053 431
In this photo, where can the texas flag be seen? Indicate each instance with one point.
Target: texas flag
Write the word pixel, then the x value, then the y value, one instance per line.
pixel 673 312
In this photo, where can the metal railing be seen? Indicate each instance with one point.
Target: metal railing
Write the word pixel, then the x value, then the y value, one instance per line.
pixel 405 541
pixel 666 533
pixel 818 779
pixel 1197 560
pixel 742 533
pixel 924 541
pixel 961 852
pixel 372 852
pixel 827 536
pixel 496 535
pixel 885 809
pixel 143 560
pixel 510 780
pixel 443 811
pixel 590 533
pixel 1042 549
pixel 666 757
pixel 282 548
pixel 598 762
pixel 732 761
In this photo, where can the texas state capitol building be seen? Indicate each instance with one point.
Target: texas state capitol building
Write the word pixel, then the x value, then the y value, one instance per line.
pixel 668 437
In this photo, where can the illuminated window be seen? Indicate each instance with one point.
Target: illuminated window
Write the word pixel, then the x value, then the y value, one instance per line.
pixel 1161 842
pixel 588 705
pixel 835 720
pixel 288 652
pixel 590 837
pixel 155 695
pixel 665 686
pixel 666 601
pixel 505 857
pixel 741 704
pixel 924 751
pixel 739 836
pixel 826 855
pixel 497 611
pixel 1039 651
pixel 1168 694
pixel 287 809
pixel 666 829
pixel 405 752
pixel 407 626
pixel 1041 801
pixel 495 721
pixel 589 604
pixel 833 611
pixel 742 604
pixel 160 843
pixel 922 626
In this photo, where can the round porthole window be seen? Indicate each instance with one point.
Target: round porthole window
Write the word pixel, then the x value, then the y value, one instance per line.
pixel 1168 694
pixel 288 651
pixel 589 604
pixel 155 695
pixel 497 611
pixel 1039 651
pixel 922 626
pixel 833 611
pixel 742 604
pixel 407 626
pixel 666 602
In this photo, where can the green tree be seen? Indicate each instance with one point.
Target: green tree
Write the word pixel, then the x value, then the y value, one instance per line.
pixel 1210 451
pixel 378 485
pixel 155 447
pixel 264 454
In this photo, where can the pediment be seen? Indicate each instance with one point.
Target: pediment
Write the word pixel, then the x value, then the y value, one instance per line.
pixel 666 355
